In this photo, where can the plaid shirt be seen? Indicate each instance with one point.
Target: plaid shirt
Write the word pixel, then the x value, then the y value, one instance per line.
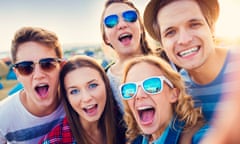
pixel 60 134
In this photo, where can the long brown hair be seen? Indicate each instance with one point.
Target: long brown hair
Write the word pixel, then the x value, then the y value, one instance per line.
pixel 107 122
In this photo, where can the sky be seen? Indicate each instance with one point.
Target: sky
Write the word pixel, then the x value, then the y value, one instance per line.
pixel 78 21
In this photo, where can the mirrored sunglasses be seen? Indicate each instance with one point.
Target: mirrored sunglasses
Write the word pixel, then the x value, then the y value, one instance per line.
pixel 27 67
pixel 128 16
pixel 151 85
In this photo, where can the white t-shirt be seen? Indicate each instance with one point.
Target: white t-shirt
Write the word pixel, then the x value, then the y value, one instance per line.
pixel 17 125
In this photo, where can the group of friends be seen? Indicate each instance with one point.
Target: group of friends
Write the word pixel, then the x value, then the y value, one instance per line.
pixel 182 94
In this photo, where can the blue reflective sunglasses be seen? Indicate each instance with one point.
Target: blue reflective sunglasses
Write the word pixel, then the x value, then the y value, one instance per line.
pixel 128 16
pixel 151 85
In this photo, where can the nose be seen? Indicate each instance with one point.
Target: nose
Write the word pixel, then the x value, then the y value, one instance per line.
pixel 140 93
pixel 86 96
pixel 184 38
pixel 38 73
pixel 121 23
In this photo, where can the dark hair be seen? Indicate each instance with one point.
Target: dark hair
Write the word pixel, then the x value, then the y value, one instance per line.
pixel 35 34
pixel 143 42
pixel 107 122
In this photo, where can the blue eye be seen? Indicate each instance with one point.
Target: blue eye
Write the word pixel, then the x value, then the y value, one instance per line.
pixel 93 85
pixel 74 91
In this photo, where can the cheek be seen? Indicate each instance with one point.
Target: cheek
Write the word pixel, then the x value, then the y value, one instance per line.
pixel 130 104
pixel 164 108
pixel 101 95
pixel 74 102
pixel 167 43
pixel 109 33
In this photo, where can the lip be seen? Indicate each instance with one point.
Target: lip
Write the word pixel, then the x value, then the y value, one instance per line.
pixel 91 109
pixel 188 53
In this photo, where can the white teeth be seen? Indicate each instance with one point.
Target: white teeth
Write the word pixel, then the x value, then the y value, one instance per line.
pixel 90 106
pixel 123 35
pixel 189 51
pixel 40 85
pixel 144 107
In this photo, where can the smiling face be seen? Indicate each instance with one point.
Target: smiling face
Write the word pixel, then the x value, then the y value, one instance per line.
pixel 125 36
pixel 153 112
pixel 86 93
pixel 40 87
pixel 186 36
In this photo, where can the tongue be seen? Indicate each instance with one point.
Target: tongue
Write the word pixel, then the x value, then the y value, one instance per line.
pixel 126 41
pixel 91 110
pixel 42 91
pixel 147 115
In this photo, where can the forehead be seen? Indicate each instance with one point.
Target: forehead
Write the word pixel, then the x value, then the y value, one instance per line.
pixel 82 75
pixel 142 71
pixel 177 11
pixel 34 51
pixel 117 8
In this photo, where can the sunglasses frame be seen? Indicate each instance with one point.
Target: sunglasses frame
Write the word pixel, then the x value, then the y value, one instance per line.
pixel 140 83
pixel 30 65
pixel 111 21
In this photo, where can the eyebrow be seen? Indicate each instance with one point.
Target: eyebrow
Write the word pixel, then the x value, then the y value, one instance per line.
pixel 189 21
pixel 74 86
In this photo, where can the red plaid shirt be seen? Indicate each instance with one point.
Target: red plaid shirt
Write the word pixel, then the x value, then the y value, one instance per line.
pixel 60 134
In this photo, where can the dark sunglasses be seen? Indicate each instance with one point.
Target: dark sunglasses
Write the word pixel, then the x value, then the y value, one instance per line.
pixel 46 64
pixel 128 16
pixel 151 85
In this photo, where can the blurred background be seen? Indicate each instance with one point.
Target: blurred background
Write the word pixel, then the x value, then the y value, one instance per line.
pixel 77 24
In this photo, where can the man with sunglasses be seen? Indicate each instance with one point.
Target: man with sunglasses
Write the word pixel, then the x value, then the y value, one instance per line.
pixel 32 112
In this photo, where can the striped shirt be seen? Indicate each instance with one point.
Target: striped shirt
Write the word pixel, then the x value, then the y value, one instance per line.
pixel 209 96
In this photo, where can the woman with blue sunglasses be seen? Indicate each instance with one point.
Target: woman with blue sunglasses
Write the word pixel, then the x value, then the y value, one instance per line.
pixel 123 31
pixel 157 105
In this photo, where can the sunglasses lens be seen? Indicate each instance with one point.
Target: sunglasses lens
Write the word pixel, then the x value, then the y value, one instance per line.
pixel 128 90
pixel 48 64
pixel 111 21
pixel 130 16
pixel 152 85
pixel 27 67
pixel 24 68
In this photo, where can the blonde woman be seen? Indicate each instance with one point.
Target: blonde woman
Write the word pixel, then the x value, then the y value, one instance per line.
pixel 157 105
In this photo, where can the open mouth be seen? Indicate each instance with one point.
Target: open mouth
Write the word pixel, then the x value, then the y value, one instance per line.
pixel 125 38
pixel 91 109
pixel 189 52
pixel 42 90
pixel 146 114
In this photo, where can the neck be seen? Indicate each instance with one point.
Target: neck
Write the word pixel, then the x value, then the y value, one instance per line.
pixel 117 68
pixel 210 69
pixel 93 131
pixel 37 109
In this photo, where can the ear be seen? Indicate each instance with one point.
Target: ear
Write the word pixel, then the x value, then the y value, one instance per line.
pixel 106 39
pixel 16 72
pixel 174 95
pixel 63 63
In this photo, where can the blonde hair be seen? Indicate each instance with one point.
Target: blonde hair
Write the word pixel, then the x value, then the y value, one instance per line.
pixel 183 108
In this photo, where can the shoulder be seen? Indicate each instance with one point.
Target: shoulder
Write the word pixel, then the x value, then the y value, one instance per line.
pixel 108 66
pixel 58 133
pixel 194 134
pixel 200 133
pixel 10 106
